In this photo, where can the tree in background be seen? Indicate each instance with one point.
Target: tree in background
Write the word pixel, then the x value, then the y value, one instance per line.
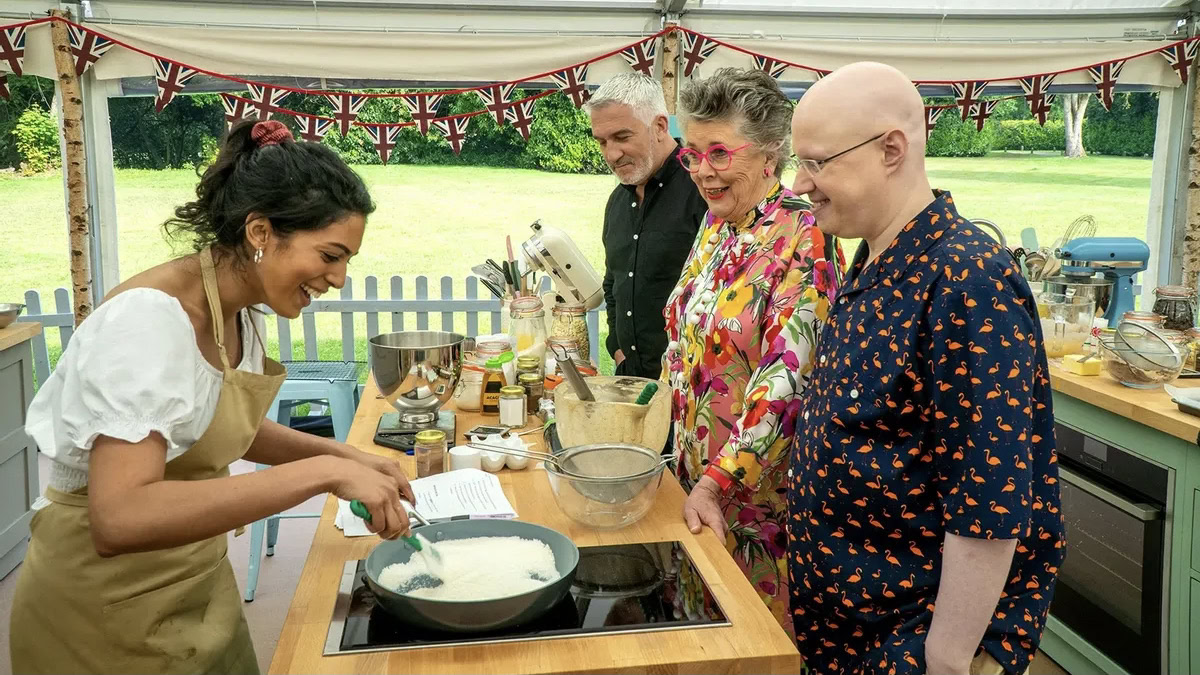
pixel 1074 109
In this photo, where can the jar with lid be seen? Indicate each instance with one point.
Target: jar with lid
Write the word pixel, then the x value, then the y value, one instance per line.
pixel 1193 348
pixel 493 381
pixel 1152 320
pixel 528 328
pixel 570 322
pixel 469 392
pixel 529 365
pixel 535 387
pixel 513 406
pixel 1178 305
pixel 556 346
pixel 429 451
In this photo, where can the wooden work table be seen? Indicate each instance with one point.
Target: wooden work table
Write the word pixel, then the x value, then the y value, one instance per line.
pixel 18 332
pixel 753 643
pixel 1150 407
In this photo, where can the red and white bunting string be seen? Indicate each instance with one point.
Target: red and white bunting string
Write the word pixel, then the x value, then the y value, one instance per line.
pixel 520 115
pixel 236 108
pixel 171 78
pixel 313 128
pixel 87 47
pixel 1105 76
pixel 640 56
pixel 454 129
pixel 383 137
pixel 12 48
pixel 345 109
pixel 573 83
pixel 981 111
pixel 1180 56
pixel 423 109
pixel 4 86
pixel 966 95
pixel 770 66
pixel 1039 101
pixel 496 101
pixel 932 113
pixel 266 99
pixel 696 49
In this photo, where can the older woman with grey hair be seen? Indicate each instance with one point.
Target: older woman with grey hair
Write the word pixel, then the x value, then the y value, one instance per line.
pixel 742 324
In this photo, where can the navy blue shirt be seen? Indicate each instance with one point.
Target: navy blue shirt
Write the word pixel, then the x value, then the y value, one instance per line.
pixel 928 413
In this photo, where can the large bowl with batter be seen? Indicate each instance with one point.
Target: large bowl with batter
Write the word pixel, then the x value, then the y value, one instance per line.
pixel 613 417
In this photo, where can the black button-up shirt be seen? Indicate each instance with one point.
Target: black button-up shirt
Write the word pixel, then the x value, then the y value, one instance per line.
pixel 928 413
pixel 645 246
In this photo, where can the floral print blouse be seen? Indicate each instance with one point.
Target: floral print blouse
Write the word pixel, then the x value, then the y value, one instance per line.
pixel 742 326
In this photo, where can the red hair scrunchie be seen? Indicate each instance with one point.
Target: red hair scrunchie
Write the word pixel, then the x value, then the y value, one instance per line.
pixel 270 132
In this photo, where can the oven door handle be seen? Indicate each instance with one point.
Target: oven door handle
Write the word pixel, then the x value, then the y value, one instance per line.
pixel 1143 512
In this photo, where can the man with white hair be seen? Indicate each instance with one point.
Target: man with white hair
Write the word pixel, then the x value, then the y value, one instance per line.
pixel 650 222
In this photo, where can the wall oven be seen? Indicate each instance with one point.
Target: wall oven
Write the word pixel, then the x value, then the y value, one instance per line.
pixel 1111 588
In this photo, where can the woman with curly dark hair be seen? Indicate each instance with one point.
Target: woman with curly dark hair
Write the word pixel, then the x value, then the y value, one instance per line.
pixel 162 388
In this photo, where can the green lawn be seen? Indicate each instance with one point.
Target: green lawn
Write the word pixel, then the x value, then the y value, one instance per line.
pixel 439 221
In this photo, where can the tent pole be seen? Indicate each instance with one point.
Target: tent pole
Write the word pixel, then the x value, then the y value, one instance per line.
pixel 670 68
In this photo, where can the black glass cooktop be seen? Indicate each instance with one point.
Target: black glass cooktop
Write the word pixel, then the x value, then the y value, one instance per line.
pixel 617 589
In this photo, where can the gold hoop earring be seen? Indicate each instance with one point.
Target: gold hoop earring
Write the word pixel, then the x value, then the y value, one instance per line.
pixel 258 256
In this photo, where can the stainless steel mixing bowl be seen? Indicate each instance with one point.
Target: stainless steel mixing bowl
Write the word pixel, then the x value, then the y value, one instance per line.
pixel 1097 289
pixel 9 312
pixel 416 371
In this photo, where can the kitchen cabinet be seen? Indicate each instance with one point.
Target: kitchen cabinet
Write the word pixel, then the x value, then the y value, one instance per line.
pixel 18 456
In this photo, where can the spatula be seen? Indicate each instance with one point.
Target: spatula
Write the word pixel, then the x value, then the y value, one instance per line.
pixel 417 541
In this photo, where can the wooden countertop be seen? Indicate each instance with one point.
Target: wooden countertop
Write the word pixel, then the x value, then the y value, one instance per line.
pixel 754 643
pixel 1151 407
pixel 18 332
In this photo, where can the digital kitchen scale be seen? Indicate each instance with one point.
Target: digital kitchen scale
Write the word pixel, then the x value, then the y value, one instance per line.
pixel 392 433
pixel 617 589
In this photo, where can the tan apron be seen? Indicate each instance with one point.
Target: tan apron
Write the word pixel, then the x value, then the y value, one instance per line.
pixel 171 611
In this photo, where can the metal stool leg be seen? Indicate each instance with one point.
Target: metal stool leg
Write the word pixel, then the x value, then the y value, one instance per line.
pixel 341 408
pixel 272 534
pixel 256 537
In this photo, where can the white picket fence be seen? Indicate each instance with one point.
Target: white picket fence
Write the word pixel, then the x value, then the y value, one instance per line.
pixel 406 313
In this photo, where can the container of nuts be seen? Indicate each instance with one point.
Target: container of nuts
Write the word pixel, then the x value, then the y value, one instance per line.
pixel 570 323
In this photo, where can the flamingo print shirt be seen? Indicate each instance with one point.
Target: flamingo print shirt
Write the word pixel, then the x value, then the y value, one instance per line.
pixel 928 413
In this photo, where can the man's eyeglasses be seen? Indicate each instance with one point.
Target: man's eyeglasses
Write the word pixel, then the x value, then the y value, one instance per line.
pixel 719 157
pixel 813 166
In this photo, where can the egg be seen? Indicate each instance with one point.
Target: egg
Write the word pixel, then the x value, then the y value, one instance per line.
pixel 491 461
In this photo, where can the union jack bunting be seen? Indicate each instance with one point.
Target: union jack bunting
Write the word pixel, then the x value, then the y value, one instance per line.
pixel 236 108
pixel 1181 56
pixel 573 82
pixel 696 48
pixel 1105 76
pixel 313 128
pixel 520 115
pixel 266 99
pixel 640 56
pixel 770 66
pixel 171 79
pixel 87 47
pixel 981 111
pixel 496 100
pixel 345 109
pixel 4 86
pixel 383 137
pixel 1035 89
pixel 12 48
pixel 454 129
pixel 423 109
pixel 966 95
pixel 932 113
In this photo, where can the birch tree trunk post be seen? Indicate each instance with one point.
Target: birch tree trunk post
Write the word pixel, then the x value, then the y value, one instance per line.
pixel 1074 109
pixel 1191 233
pixel 74 166
pixel 670 69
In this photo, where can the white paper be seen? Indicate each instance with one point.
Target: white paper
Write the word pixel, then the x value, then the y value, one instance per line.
pixel 350 524
pixel 454 495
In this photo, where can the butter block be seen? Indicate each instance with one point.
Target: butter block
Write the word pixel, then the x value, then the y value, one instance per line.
pixel 1074 363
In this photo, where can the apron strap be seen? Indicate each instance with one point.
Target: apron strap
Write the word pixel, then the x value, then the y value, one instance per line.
pixel 214 302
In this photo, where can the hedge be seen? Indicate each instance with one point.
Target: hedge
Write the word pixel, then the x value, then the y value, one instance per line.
pixel 1029 135
pixel 952 137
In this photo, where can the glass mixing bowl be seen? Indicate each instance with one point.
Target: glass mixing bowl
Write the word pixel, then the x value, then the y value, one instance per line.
pixel 606 485
pixel 1066 323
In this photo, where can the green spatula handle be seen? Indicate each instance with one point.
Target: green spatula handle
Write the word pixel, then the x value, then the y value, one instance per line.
pixel 648 392
pixel 359 509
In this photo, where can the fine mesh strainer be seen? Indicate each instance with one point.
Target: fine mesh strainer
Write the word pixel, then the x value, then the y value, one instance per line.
pixel 606 485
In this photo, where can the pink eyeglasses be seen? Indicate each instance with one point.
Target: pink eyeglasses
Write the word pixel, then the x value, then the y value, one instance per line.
pixel 719 157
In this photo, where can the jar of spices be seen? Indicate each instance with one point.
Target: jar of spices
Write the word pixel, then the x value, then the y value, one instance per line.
pixel 529 365
pixel 528 328
pixel 1152 320
pixel 1178 305
pixel 429 451
pixel 534 388
pixel 493 381
pixel 570 322
pixel 513 404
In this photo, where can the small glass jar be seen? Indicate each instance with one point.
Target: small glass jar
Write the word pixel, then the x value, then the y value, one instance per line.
pixel 556 346
pixel 570 322
pixel 468 394
pixel 528 328
pixel 529 365
pixel 1178 305
pixel 513 404
pixel 429 451
pixel 493 382
pixel 1152 320
pixel 534 387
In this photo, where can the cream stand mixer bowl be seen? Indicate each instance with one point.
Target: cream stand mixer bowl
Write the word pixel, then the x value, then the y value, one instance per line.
pixel 613 417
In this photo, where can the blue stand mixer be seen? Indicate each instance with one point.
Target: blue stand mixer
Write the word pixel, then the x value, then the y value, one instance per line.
pixel 1118 259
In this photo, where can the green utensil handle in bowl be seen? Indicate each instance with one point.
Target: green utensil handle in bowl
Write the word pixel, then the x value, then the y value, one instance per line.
pixel 360 509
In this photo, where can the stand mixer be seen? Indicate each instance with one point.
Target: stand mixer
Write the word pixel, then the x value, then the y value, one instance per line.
pixel 552 251
pixel 416 372
pixel 1116 259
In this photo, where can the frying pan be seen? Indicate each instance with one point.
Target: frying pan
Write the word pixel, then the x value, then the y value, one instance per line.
pixel 475 615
